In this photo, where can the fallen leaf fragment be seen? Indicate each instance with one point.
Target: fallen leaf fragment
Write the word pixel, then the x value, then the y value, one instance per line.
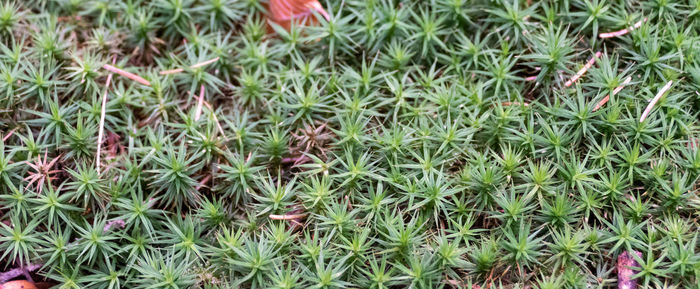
pixel 625 263
pixel 18 284
pixel 284 12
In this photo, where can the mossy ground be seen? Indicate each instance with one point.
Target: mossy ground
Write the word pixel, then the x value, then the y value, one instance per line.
pixel 399 144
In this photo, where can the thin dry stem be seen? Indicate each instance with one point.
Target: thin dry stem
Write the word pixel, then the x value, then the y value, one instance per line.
pixel 614 92
pixel 127 74
pixel 101 130
pixel 178 70
pixel 198 113
pixel 655 99
pixel 583 70
pixel 623 31
pixel 9 134
pixel 287 217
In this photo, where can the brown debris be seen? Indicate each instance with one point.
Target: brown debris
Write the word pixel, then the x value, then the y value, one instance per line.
pixel 9 134
pixel 178 70
pixel 103 111
pixel 655 99
pixel 583 70
pixel 287 217
pixel 625 271
pixel 614 92
pixel 127 74
pixel 623 31
pixel 42 171
pixel 16 272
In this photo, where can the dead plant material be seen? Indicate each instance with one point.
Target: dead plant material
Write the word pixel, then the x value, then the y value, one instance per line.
pixel 127 74
pixel 42 171
pixel 179 70
pixel 16 272
pixel 515 103
pixel 287 217
pixel 286 12
pixel 200 101
pixel 103 110
pixel 655 100
pixel 614 92
pixel 625 271
pixel 623 31
pixel 583 70
pixel 9 134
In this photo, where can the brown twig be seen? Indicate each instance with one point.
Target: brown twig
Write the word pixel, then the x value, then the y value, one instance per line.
pixel 489 279
pixel 178 70
pixel 614 92
pixel 623 31
pixel 127 74
pixel 14 273
pixel 655 99
pixel 583 70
